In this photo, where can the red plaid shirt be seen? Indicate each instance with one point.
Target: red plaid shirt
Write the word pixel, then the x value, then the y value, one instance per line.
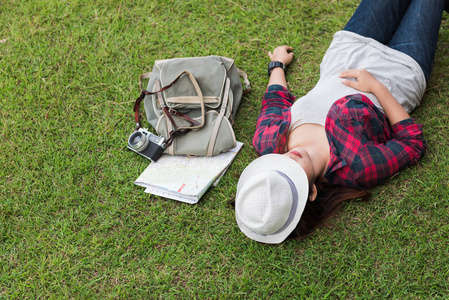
pixel 365 150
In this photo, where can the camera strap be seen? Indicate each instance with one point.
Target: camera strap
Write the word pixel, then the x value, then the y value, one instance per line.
pixel 167 111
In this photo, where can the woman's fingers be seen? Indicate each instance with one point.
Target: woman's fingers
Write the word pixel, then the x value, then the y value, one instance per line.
pixel 349 83
pixel 353 73
pixel 350 74
pixel 282 54
pixel 364 80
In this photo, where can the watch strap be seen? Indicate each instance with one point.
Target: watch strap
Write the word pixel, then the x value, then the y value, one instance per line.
pixel 275 64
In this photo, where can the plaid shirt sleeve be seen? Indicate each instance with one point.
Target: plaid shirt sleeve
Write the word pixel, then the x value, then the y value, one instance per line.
pixel 273 121
pixel 365 150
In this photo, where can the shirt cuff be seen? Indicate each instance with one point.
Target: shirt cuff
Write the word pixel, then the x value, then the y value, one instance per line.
pixel 280 91
pixel 401 125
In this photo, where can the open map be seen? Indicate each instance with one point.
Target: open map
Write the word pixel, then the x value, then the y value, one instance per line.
pixel 185 178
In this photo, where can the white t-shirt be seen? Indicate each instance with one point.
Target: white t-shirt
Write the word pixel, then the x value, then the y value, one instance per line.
pixel 400 73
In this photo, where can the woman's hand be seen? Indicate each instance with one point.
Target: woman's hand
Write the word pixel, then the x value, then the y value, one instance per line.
pixel 364 80
pixel 367 83
pixel 282 54
pixel 285 56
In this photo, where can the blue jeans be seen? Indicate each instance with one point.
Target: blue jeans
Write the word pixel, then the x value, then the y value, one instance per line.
pixel 409 26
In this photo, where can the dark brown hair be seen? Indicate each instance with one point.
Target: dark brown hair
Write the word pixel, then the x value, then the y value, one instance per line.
pixel 328 201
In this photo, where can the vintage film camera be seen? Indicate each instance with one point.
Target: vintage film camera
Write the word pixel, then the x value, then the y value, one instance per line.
pixel 146 144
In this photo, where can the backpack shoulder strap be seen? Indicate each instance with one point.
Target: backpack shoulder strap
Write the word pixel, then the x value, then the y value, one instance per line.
pixel 245 81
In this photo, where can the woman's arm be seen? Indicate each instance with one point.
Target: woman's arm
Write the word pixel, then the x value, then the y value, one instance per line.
pixel 366 82
pixel 284 55
pixel 273 121
pixel 373 150
pixel 274 118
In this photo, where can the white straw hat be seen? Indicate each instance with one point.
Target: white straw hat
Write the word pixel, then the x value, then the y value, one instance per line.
pixel 271 195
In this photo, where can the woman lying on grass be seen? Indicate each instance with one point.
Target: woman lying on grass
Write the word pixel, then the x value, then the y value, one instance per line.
pixel 352 131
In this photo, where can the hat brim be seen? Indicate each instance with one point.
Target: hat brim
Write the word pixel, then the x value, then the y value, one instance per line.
pixel 296 173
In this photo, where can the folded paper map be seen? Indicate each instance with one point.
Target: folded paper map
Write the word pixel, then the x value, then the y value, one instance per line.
pixel 185 178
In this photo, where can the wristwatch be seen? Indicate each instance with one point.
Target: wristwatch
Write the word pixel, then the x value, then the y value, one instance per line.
pixel 275 64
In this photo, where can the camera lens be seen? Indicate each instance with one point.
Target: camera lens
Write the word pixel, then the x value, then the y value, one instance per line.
pixel 138 141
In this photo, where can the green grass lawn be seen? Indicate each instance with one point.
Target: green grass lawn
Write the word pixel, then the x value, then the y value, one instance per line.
pixel 74 225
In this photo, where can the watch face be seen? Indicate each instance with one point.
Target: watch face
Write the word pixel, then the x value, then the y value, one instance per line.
pixel 275 64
